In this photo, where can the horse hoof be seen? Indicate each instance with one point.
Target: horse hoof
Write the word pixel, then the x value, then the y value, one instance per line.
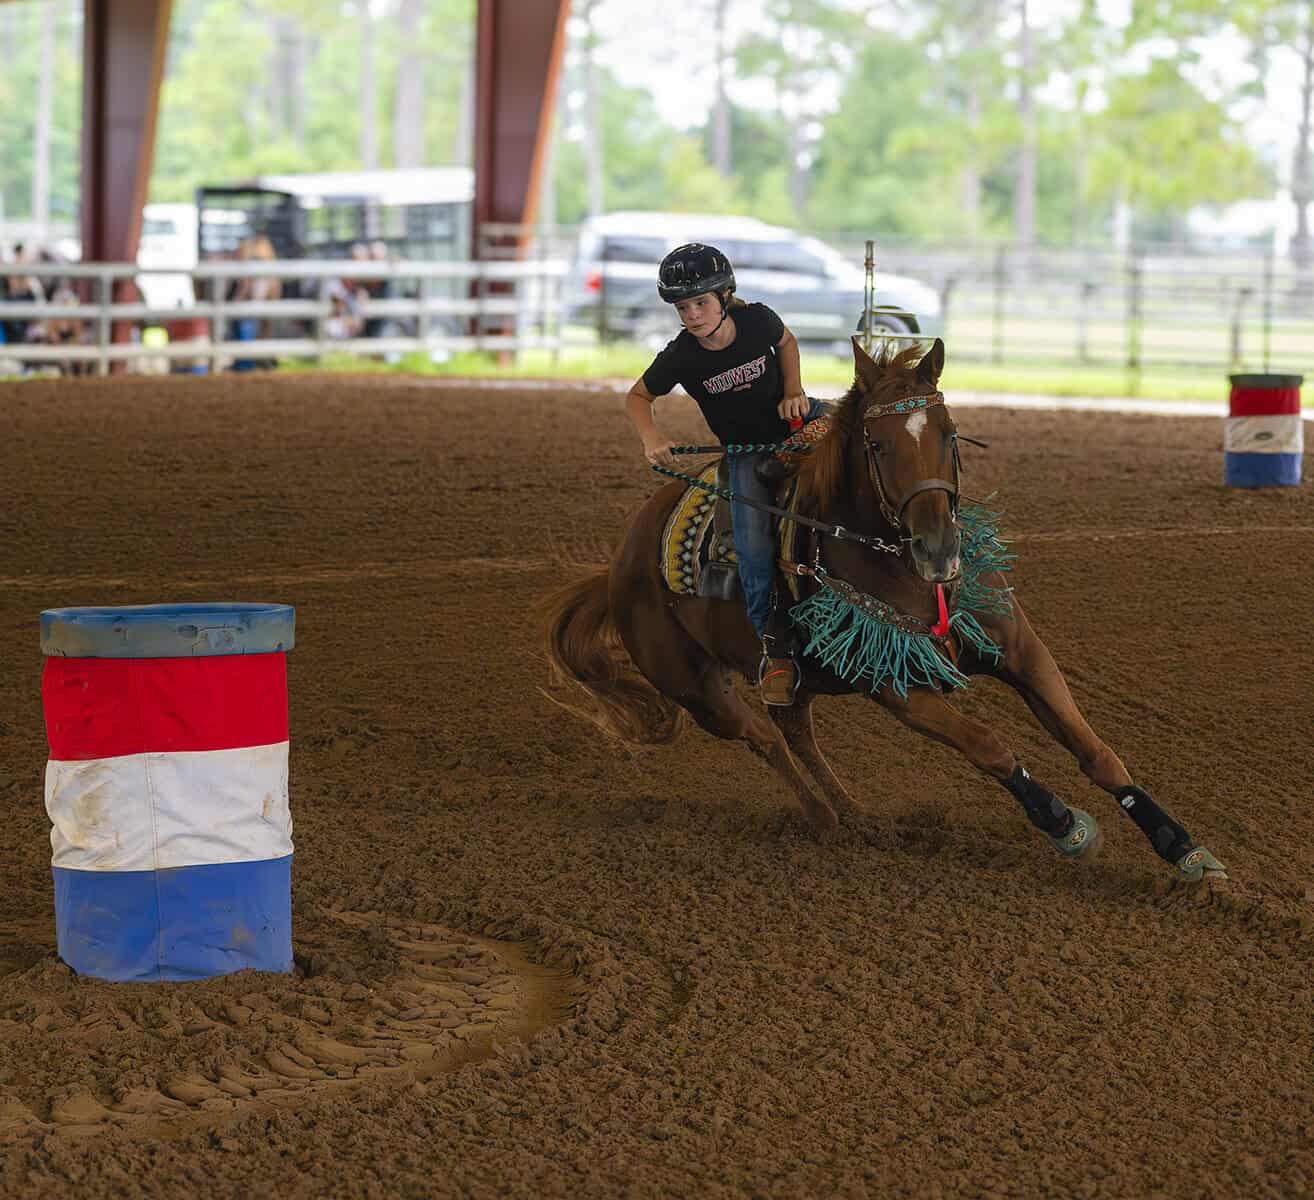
pixel 823 826
pixel 852 811
pixel 1199 864
pixel 1083 840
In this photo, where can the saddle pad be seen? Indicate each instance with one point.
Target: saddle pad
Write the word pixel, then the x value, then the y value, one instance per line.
pixel 684 540
pixel 686 529
pixel 685 544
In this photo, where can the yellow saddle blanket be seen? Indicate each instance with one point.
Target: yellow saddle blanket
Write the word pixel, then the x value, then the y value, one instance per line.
pixel 686 530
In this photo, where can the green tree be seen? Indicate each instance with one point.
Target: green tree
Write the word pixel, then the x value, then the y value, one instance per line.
pixel 691 183
pixel 799 45
pixel 1164 146
pixel 213 127
pixel 233 106
pixel 649 164
pixel 1272 27
pixel 882 164
pixel 761 152
pixel 19 91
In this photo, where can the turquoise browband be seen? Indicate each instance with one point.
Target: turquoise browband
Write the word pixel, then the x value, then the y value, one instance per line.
pixel 906 405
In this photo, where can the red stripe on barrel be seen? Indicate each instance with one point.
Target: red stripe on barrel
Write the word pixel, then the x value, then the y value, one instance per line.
pixel 1264 402
pixel 104 707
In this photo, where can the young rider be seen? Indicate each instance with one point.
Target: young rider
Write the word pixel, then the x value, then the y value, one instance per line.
pixel 740 363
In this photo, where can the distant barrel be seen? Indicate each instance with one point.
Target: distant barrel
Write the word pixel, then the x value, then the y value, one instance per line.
pixel 167 788
pixel 1263 435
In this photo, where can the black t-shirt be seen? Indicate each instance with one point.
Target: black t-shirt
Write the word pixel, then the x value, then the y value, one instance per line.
pixel 737 388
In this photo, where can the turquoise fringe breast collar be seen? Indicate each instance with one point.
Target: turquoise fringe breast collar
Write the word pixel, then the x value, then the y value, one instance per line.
pixel 865 640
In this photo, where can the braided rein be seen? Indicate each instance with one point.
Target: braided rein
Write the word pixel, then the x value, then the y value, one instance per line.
pixel 823 527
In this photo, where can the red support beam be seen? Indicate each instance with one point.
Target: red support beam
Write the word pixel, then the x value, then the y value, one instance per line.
pixel 517 61
pixel 124 43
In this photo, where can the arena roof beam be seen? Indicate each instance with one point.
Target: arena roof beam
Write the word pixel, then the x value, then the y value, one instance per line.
pixel 518 59
pixel 124 44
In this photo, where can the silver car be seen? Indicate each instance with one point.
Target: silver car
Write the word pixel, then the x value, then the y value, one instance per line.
pixel 612 285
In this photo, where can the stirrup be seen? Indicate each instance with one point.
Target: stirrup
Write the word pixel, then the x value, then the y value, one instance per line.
pixel 768 673
pixel 1197 863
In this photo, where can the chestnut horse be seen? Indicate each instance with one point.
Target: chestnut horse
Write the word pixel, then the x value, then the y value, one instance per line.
pixel 887 471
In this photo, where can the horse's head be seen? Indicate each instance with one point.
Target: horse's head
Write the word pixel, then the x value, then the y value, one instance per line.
pixel 893 453
pixel 909 448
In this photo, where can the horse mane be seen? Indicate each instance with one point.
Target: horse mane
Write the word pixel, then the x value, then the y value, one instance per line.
pixel 823 473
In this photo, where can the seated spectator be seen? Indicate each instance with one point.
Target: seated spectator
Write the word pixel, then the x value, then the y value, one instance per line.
pixel 257 248
pixel 344 319
pixel 20 289
pixel 370 289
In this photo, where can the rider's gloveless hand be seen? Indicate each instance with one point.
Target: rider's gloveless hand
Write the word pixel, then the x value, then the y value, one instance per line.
pixel 659 453
pixel 794 406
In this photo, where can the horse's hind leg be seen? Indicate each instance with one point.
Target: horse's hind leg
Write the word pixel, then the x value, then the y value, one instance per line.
pixel 719 709
pixel 1071 831
pixel 1031 670
pixel 795 722
pixel 679 667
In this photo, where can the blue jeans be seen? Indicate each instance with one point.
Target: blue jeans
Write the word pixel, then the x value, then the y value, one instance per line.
pixel 755 542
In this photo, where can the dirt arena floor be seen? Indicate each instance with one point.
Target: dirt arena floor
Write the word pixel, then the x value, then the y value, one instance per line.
pixel 532 962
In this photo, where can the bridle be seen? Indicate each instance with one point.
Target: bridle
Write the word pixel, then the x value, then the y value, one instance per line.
pixel 893 511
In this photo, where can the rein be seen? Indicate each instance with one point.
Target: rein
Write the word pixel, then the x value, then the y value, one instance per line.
pixel 892 512
pixel 859 636
pixel 825 528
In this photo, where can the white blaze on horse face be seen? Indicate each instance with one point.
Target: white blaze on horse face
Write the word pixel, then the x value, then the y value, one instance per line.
pixel 916 424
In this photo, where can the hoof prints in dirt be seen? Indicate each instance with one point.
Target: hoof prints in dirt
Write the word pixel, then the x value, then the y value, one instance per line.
pixel 150 1057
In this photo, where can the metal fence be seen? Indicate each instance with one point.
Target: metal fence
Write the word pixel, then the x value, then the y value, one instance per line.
pixel 427 307
pixel 1146 310
pixel 1150 307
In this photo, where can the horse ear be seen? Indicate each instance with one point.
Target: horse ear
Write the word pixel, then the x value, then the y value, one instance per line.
pixel 863 363
pixel 928 370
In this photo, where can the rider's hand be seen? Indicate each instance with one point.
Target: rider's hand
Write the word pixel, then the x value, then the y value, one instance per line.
pixel 658 451
pixel 794 407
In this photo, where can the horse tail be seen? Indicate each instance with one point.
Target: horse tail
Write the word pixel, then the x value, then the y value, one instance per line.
pixel 584 646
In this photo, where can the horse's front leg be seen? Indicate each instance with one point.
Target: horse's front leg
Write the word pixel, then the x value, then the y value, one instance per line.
pixel 795 722
pixel 1029 668
pixel 1071 831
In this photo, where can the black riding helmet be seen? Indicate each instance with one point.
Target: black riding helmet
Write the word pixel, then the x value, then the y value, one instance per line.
pixel 693 269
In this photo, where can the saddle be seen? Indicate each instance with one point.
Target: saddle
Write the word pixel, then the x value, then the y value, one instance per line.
pixel 697 544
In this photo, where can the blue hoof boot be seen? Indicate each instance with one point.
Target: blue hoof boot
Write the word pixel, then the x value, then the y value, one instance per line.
pixel 1198 863
pixel 1084 839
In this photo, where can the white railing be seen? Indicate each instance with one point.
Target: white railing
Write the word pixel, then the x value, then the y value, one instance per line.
pixel 509 305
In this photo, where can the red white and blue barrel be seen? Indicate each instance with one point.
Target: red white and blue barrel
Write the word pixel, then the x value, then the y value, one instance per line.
pixel 167 788
pixel 1263 436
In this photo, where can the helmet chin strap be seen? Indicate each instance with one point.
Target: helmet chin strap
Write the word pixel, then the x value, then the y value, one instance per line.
pixel 725 312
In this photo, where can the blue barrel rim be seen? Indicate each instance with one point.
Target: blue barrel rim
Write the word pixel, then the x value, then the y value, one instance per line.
pixel 173 630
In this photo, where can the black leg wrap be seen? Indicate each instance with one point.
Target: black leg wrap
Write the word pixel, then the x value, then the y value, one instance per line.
pixel 1169 839
pixel 1044 809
